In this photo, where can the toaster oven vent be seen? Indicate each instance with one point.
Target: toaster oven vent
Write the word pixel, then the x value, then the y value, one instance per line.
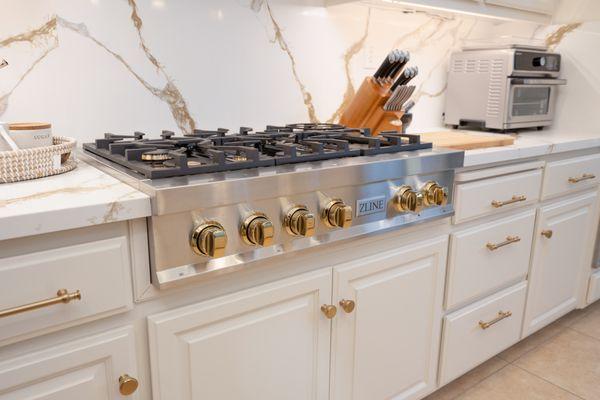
pixel 496 80
pixel 471 66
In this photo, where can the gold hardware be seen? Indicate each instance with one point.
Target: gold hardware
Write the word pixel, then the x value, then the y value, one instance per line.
pixel 258 230
pixel 347 305
pixel 509 240
pixel 547 233
pixel 299 222
pixel 434 194
pixel 501 315
pixel 329 310
pixel 337 214
pixel 127 385
pixel 209 239
pixel 62 296
pixel 514 199
pixel 406 199
pixel 582 178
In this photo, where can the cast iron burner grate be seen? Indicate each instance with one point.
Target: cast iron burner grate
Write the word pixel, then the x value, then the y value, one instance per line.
pixel 205 151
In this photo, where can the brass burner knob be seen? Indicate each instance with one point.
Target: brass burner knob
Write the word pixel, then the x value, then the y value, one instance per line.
pixel 434 194
pixel 258 230
pixel 337 214
pixel 209 239
pixel 299 221
pixel 127 385
pixel 407 199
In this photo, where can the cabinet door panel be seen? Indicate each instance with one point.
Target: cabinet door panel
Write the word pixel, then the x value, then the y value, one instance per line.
pixel 387 347
pixel 84 369
pixel 561 261
pixel 269 342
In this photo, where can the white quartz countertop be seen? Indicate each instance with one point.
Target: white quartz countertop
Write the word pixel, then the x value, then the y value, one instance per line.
pixel 82 197
pixel 532 144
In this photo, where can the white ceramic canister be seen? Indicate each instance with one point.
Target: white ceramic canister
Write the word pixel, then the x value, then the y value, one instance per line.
pixel 27 135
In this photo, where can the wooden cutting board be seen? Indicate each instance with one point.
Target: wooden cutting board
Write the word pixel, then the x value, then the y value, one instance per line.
pixel 466 140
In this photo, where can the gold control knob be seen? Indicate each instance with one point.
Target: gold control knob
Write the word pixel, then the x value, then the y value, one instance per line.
pixel 257 230
pixel 299 221
pixel 407 199
pixel 434 194
pixel 127 385
pixel 209 239
pixel 329 310
pixel 347 305
pixel 337 214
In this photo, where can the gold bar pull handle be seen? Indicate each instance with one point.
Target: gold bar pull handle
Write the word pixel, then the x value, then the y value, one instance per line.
pixel 501 315
pixel 514 199
pixel 581 178
pixel 509 240
pixel 62 296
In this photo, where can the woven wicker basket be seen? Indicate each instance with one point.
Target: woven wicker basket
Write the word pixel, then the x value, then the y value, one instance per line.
pixel 21 165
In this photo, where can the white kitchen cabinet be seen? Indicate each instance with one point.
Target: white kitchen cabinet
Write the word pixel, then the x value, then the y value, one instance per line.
pixel 387 347
pixel 268 342
pixel 561 259
pixel 594 287
pixel 538 6
pixel 87 369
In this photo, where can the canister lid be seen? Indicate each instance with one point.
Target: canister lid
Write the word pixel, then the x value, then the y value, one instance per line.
pixel 28 126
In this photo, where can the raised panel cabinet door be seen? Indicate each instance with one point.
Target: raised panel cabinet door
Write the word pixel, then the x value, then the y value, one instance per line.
pixel 561 258
pixel 387 346
pixel 87 369
pixel 270 342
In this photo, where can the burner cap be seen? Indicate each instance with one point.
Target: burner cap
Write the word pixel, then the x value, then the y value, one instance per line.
pixel 157 155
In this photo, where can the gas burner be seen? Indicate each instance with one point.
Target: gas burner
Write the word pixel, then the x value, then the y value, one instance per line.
pixel 205 151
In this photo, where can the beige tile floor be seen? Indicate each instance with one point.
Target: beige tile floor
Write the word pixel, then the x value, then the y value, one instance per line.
pixel 561 361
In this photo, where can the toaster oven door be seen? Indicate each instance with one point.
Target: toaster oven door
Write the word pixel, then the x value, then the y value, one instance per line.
pixel 532 100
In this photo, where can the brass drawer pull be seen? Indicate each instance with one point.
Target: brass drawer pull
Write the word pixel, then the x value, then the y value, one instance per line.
pixel 509 240
pixel 501 315
pixel 347 305
pixel 581 178
pixel 127 385
pixel 514 199
pixel 62 296
pixel 547 233
pixel 329 310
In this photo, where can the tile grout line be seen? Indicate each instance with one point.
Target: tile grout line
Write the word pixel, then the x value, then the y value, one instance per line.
pixel 562 329
pixel 480 381
pixel 584 334
pixel 547 381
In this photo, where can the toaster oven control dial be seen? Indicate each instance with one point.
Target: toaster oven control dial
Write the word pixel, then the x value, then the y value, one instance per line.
pixel 337 214
pixel 209 239
pixel 257 230
pixel 407 199
pixel 434 194
pixel 299 222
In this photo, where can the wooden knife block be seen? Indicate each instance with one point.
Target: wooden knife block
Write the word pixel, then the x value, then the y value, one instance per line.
pixel 366 109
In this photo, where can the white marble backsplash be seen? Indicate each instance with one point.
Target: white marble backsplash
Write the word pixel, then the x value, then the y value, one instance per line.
pixel 95 66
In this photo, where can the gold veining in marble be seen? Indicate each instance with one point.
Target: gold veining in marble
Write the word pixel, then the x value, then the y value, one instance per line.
pixel 553 39
pixel 50 193
pixel 348 56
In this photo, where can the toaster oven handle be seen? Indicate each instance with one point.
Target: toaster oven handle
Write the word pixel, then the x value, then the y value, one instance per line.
pixel 537 81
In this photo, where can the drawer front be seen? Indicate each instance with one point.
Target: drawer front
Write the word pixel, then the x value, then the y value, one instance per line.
pixel 466 344
pixel 487 257
pixel 99 270
pixel 570 175
pixel 494 195
pixel 594 289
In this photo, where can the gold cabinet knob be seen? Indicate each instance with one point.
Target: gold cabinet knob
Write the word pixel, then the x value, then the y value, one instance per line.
pixel 127 385
pixel 329 310
pixel 547 233
pixel 337 214
pixel 434 194
pixel 209 239
pixel 258 230
pixel 299 222
pixel 407 199
pixel 347 305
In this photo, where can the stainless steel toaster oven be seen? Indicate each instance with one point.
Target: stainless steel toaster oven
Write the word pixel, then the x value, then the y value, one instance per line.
pixel 502 88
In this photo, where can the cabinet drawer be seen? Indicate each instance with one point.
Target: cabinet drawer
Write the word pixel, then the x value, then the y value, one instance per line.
pixel 87 368
pixel 494 195
pixel 594 289
pixel 487 257
pixel 98 269
pixel 569 175
pixel 466 343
